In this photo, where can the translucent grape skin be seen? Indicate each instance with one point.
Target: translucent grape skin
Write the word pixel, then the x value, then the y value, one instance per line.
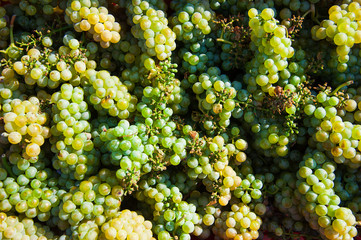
pixel 80 142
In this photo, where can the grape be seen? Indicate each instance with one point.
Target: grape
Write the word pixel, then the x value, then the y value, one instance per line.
pixel 222 118
pixel 151 27
pixel 4 30
pixel 241 216
pixel 18 121
pixel 322 172
pixel 75 131
pixel 279 51
pixel 337 31
pixel 95 23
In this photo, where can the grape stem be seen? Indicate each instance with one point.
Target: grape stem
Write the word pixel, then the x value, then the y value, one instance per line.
pixel 12 41
pixel 6 166
pixel 199 104
pixel 348 83
pixel 313 16
pixel 59 30
pixel 224 41
pixel 221 39
pixel 287 35
pixel 12 29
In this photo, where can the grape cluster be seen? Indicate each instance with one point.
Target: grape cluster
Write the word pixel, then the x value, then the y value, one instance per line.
pixel 45 67
pixel 192 21
pixel 32 193
pixel 165 90
pixel 250 188
pixel 223 119
pixel 272 49
pixel 127 225
pixel 171 214
pixel 128 152
pixel 109 93
pixel 152 31
pixel 239 223
pixel 96 199
pixel 213 167
pixel 336 134
pixel 148 145
pixel 347 72
pixel 25 125
pixel 71 141
pixel 342 29
pixel 216 97
pixel 321 203
pixel 90 17
pixel 12 227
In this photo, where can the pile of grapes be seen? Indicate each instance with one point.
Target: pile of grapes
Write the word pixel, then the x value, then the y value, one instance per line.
pixel 179 120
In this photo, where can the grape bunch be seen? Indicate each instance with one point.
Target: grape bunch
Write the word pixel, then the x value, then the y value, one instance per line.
pixel 128 224
pixel 218 98
pixel 272 49
pixel 172 216
pixel 179 120
pixel 152 31
pixel 97 199
pixel 71 138
pixel 239 223
pixel 46 67
pixel 341 29
pixel 337 136
pixel 90 17
pixel 13 227
pixel 25 125
pixel 321 202
pixel 192 22
pixel 214 167
pixel 163 88
pixel 108 93
pixel 128 152
pixel 32 192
